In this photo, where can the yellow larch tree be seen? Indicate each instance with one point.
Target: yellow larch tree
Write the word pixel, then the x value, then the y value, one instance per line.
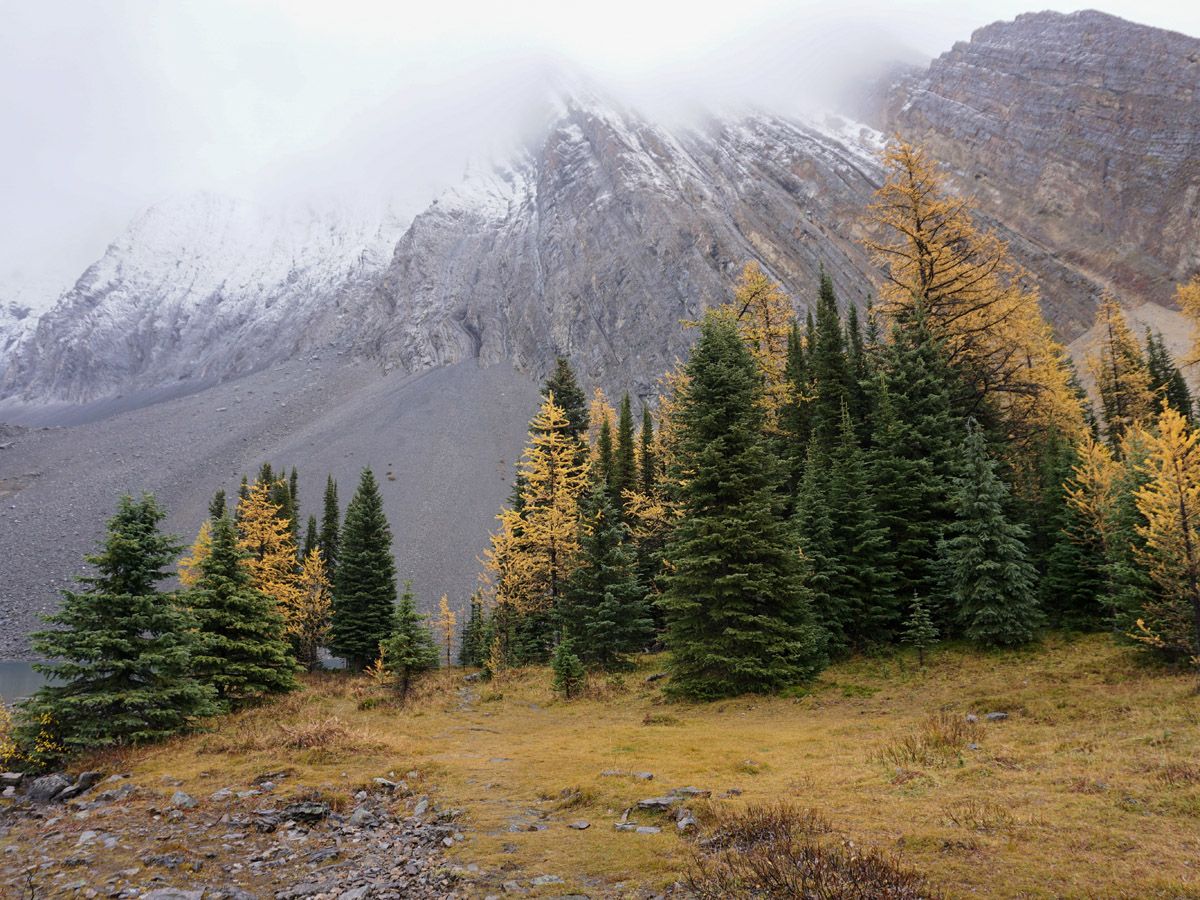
pixel 308 626
pixel 1094 487
pixel 265 537
pixel 600 411
pixel 1187 295
pixel 1122 376
pixel 1170 503
pixel 535 548
pixel 446 623
pixel 190 565
pixel 764 317
pixel 976 299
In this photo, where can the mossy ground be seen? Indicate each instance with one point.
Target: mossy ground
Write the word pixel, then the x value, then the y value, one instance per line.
pixel 1090 787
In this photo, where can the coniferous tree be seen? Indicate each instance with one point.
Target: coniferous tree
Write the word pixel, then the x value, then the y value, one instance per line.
pixel 1166 380
pixel 919 630
pixel 824 565
pixel 604 608
pixel 648 458
pixel 867 582
pixel 1122 377
pixel 828 369
pixel 914 436
pixel 605 462
pixel 569 674
pixel 189 566
pixel 330 526
pixel 1170 505
pixel 982 559
pixel 308 626
pixel 120 653
pixel 243 493
pixel 570 398
pixel 364 585
pixel 217 506
pixel 312 540
pixel 737 611
pixel 241 648
pixel 447 623
pixel 410 649
pixel 624 458
pixel 1068 555
pixel 795 417
pixel 475 638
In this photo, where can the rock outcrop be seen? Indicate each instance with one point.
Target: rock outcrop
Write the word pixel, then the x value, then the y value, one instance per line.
pixel 1082 133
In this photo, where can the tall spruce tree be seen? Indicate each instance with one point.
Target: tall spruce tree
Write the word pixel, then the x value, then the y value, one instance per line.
pixel 868 576
pixel 330 526
pixel 914 436
pixel 828 369
pixel 625 476
pixel 605 461
pixel 991 584
pixel 410 649
pixel 604 607
pixel 648 457
pixel 824 565
pixel 475 639
pixel 569 396
pixel 1166 380
pixel 241 649
pixel 364 585
pixel 312 539
pixel 737 611
pixel 120 651
pixel 217 506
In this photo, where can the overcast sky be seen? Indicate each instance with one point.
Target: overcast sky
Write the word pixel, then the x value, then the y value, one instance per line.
pixel 108 106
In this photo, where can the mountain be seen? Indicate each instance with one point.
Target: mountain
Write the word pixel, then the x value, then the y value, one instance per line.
pixel 199 289
pixel 1081 133
pixel 215 333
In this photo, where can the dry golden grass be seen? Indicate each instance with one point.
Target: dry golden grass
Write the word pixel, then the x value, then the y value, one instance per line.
pixel 1091 787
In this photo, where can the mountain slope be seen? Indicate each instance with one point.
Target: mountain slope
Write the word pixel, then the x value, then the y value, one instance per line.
pixel 1080 131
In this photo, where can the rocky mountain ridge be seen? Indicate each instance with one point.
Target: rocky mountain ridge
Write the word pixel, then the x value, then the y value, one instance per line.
pixel 603 233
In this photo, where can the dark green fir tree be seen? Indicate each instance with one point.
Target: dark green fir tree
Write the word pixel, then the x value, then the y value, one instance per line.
pixel 241 648
pixel 568 395
pixel 330 526
pixel 648 471
pixel 919 631
pixel 570 677
pixel 604 609
pixel 990 583
pixel 625 476
pixel 410 649
pixel 217 506
pixel 738 614
pixel 364 585
pixel 476 634
pixel 312 538
pixel 120 651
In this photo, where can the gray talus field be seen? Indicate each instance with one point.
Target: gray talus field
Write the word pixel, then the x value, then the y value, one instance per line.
pixel 442 444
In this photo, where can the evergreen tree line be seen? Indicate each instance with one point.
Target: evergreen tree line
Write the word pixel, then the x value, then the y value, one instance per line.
pixel 821 488
pixel 130 662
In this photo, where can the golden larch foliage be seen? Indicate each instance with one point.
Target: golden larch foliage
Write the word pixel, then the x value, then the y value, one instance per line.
pixel 1094 487
pixel 599 412
pixel 308 624
pixel 265 537
pixel 446 622
pixel 535 548
pixel 764 317
pixel 1121 373
pixel 1188 297
pixel 976 299
pixel 1170 503
pixel 190 565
